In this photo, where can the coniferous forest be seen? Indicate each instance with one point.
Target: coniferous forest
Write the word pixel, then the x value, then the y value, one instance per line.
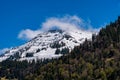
pixel 98 59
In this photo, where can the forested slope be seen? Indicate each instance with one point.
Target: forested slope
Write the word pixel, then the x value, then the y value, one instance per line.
pixel 98 59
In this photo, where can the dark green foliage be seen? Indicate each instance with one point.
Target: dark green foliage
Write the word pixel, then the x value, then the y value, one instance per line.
pixel 55 30
pixel 64 51
pixel 57 51
pixel 11 58
pixel 17 55
pixel 38 50
pixel 29 54
pixel 67 36
pixel 98 59
pixel 57 45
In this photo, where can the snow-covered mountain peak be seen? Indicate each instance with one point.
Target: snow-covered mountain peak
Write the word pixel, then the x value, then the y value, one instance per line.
pixel 49 44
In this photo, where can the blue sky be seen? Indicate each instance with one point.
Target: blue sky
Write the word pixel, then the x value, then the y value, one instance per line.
pixel 17 15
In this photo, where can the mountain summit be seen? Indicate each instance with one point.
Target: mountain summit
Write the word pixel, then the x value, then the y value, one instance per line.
pixel 47 45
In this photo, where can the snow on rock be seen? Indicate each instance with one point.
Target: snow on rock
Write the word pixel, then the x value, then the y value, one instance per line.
pixel 43 45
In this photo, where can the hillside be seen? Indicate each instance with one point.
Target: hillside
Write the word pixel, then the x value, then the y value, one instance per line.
pixel 46 45
pixel 98 59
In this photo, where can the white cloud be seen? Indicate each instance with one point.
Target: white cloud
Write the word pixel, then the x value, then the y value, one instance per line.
pixel 66 23
pixel 28 34
pixel 3 50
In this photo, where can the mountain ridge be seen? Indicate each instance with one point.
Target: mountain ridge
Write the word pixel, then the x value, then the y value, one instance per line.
pixel 45 44
pixel 98 59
